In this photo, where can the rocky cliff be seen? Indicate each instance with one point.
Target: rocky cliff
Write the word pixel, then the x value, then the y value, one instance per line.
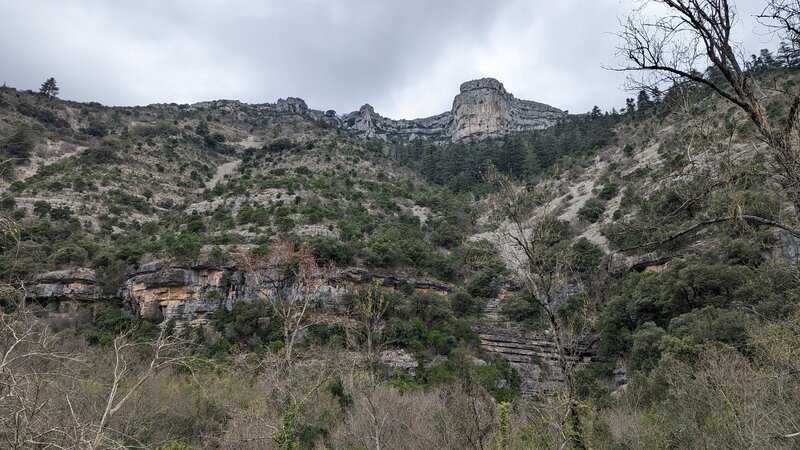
pixel 189 293
pixel 69 288
pixel 167 290
pixel 482 108
pixel 533 355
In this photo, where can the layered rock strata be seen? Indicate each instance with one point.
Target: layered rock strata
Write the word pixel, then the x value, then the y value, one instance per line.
pixel 164 290
pixel 66 286
pixel 534 356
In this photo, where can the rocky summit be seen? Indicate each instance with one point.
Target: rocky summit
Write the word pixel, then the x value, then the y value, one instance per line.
pixel 482 108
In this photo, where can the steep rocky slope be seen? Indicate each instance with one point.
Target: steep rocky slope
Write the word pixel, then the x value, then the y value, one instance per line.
pixel 146 205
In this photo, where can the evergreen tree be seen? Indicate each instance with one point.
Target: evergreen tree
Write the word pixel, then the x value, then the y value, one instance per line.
pixel 643 102
pixel 767 59
pixel 789 54
pixel 19 145
pixel 49 88
pixel 630 106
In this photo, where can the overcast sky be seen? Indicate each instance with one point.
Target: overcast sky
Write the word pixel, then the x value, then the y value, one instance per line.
pixel 406 57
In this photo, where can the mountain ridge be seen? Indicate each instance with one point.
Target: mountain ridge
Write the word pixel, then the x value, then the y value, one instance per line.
pixel 483 108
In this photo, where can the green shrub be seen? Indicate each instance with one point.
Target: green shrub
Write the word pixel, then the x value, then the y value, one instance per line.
pixel 592 210
pixel 608 192
pixel 463 304
pixel 19 144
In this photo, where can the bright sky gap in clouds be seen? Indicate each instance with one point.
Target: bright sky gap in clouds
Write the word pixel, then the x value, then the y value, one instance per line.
pixel 406 58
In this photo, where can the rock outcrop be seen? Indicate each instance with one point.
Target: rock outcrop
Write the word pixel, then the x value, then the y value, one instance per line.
pixel 399 360
pixel 533 355
pixel 166 290
pixel 189 293
pixel 68 287
pixel 482 108
pixel 292 105
pixel 162 291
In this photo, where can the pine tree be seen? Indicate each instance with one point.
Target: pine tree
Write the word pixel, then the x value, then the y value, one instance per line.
pixel 49 88
pixel 643 102
pixel 789 54
pixel 630 106
pixel 767 59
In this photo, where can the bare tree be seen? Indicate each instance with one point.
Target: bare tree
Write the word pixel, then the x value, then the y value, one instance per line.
pixel 544 270
pixel 369 312
pixel 29 364
pixel 126 379
pixel 692 42
pixel 292 282
pixel 286 399
pixel 382 418
pixel 469 416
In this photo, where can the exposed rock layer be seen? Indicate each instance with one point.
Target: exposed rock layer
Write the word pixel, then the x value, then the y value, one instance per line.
pixel 161 291
pixel 482 108
pixel 76 285
pixel 533 355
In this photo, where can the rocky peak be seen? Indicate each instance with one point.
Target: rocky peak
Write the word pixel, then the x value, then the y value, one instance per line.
pixel 483 84
pixel 363 122
pixel 292 105
pixel 482 108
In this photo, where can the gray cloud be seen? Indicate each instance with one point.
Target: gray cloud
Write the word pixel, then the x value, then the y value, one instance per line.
pixel 405 58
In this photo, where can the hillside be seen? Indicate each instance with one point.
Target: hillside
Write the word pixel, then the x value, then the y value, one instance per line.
pixel 164 180
pixel 457 280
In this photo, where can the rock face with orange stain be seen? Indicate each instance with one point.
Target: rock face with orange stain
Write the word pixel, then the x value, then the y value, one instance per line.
pixel 190 293
pixel 162 291
pixel 182 292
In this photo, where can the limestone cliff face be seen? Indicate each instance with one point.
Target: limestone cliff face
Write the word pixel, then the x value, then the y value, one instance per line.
pixel 367 122
pixel 163 291
pixel 189 293
pixel 482 108
pixel 533 355
pixel 167 290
